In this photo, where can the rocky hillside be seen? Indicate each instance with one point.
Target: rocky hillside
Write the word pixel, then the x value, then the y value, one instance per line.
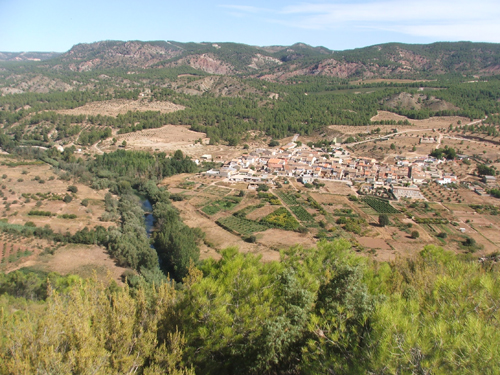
pixel 277 63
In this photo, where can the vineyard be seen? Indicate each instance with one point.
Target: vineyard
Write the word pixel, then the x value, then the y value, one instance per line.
pixel 379 205
pixel 241 225
pixel 289 199
pixel 302 214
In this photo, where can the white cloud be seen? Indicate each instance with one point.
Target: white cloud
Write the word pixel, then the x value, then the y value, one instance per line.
pixel 437 19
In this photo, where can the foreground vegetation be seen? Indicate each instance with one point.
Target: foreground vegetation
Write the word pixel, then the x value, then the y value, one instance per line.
pixel 320 310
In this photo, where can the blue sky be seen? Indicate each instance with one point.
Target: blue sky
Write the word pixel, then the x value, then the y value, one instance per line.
pixel 56 25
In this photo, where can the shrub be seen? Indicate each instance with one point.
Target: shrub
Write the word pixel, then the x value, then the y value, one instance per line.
pixel 73 189
pixel 470 242
pixel 252 238
pixel 67 198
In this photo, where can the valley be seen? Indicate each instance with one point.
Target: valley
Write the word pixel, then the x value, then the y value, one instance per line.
pixel 222 208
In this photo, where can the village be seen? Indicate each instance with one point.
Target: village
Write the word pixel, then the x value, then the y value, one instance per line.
pixel 311 165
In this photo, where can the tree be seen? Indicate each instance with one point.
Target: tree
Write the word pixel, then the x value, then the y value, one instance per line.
pixel 274 143
pixel 383 220
pixel 250 315
pixel 484 170
pixel 178 155
pixel 106 331
pixel 415 234
pixel 124 143
pixel 262 187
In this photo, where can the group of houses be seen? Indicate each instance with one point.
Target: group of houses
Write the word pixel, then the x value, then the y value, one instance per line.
pixel 308 164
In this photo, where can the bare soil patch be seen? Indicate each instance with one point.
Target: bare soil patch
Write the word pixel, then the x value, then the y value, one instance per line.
pixel 120 107
pixel 281 239
pixel 329 199
pixel 374 243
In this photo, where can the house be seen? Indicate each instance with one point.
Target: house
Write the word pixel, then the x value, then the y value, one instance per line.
pixel 212 172
pixel 227 171
pixel 306 179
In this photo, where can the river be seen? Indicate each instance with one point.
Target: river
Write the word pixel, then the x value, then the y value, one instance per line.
pixel 149 219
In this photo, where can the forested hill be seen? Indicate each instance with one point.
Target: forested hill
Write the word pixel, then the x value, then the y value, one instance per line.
pixel 281 62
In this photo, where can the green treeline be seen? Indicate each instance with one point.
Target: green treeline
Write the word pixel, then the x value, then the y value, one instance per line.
pixel 317 311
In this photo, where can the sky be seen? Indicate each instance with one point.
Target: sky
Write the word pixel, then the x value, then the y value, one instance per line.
pixel 57 25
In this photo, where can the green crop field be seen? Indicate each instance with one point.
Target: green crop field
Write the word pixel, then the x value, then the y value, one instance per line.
pixel 288 198
pixel 240 225
pixel 379 205
pixel 301 213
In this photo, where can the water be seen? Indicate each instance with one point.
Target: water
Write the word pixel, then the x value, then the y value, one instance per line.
pixel 148 216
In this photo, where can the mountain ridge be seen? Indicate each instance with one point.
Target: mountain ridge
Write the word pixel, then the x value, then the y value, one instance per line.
pixel 276 63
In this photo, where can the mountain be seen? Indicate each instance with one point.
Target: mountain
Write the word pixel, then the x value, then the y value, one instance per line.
pixel 277 63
